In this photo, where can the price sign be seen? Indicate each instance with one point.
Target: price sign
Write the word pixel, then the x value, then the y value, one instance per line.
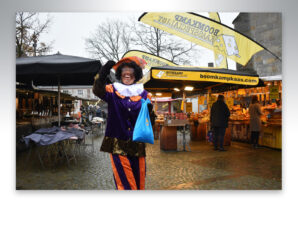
pixel 273 92
pixel 212 99
pixel 188 107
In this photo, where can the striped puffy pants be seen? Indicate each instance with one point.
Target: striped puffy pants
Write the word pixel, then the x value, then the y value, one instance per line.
pixel 129 172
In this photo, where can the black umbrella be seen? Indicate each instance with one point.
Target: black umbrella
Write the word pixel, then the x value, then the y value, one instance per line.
pixel 58 69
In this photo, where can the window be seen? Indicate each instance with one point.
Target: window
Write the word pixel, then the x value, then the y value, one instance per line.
pixel 80 92
pixel 65 91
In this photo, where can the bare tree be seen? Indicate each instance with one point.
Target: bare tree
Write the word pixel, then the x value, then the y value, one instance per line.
pixel 162 44
pixel 28 31
pixel 182 53
pixel 110 41
pixel 150 38
pixel 114 38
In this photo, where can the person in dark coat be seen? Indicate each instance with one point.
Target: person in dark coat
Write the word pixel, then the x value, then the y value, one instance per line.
pixel 219 118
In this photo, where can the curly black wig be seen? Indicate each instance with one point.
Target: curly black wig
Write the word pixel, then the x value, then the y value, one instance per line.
pixel 137 70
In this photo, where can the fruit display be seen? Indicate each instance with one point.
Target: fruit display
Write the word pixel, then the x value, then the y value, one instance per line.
pixel 269 116
pixel 161 117
pixel 200 117
pixel 239 115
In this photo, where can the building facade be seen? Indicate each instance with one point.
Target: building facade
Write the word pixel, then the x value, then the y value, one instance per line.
pixel 266 29
pixel 84 92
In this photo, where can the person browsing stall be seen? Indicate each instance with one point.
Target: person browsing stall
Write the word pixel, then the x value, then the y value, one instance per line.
pixel 255 121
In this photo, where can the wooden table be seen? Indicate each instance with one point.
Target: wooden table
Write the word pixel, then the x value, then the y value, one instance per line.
pixel 168 137
pixel 198 132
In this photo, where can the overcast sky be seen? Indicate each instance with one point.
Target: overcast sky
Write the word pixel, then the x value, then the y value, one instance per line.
pixel 69 31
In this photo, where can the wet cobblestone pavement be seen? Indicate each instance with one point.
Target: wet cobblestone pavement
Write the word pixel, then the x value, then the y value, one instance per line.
pixel 202 168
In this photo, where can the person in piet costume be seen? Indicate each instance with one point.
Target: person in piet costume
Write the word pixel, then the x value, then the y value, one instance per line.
pixel 124 104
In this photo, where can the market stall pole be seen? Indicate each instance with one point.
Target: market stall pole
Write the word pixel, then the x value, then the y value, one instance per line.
pixel 59 103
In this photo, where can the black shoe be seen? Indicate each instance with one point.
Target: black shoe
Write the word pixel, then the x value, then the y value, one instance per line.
pixel 215 148
pixel 222 150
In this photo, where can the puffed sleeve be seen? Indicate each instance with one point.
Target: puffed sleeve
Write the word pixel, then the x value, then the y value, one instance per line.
pixel 101 80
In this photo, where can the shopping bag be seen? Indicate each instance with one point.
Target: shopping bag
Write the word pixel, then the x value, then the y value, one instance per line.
pixel 210 136
pixel 143 131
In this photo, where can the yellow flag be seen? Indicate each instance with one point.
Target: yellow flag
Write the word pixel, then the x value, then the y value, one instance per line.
pixel 205 32
pixel 214 16
pixel 182 106
pixel 182 103
pixel 152 60
pixel 219 59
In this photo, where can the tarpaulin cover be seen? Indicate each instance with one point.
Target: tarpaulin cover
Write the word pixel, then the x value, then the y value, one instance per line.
pixel 48 136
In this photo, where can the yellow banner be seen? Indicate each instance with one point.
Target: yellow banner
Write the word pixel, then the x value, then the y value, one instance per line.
pixel 206 33
pixel 214 16
pixel 151 59
pixel 185 75
pixel 219 60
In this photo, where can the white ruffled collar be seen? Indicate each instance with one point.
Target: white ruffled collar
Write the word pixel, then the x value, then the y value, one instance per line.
pixel 129 90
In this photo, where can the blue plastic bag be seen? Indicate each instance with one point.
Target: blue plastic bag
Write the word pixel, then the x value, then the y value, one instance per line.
pixel 210 136
pixel 143 129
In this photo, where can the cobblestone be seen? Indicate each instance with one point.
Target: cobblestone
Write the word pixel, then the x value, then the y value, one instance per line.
pixel 202 168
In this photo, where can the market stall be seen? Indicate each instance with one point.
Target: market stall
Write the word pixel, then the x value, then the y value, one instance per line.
pixel 205 83
pixel 56 70
pixel 44 109
pixel 37 109
pixel 270 100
